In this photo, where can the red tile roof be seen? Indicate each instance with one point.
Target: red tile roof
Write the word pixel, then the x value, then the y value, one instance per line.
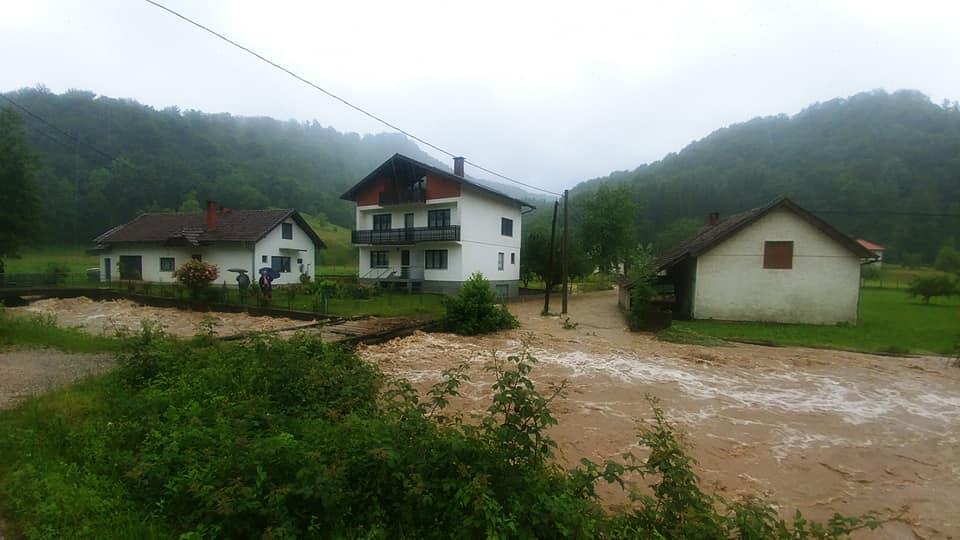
pixel 870 245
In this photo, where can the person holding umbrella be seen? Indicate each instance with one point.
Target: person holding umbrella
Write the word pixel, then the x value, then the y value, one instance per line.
pixel 267 275
pixel 243 280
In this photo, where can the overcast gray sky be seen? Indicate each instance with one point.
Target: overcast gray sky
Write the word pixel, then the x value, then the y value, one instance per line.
pixel 548 92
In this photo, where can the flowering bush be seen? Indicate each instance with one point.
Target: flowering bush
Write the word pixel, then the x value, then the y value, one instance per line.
pixel 196 275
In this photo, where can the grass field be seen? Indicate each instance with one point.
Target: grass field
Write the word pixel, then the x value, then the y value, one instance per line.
pixel 36 260
pixel 896 277
pixel 41 332
pixel 339 253
pixel 890 321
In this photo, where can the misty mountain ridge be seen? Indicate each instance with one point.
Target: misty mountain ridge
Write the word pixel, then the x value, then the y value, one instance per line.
pixel 170 159
pixel 884 166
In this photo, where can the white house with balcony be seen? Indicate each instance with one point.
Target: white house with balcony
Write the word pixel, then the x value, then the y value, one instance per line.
pixel 428 229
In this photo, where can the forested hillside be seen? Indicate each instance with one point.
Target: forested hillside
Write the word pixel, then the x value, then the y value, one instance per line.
pixel 173 159
pixel 878 165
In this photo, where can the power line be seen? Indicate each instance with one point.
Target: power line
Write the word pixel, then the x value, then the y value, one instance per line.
pixel 338 98
pixel 48 136
pixel 70 136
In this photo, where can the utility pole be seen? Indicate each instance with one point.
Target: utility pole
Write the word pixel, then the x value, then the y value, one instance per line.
pixel 548 278
pixel 566 251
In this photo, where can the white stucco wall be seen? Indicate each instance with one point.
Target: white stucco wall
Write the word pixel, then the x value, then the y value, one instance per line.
pixel 224 256
pixel 480 235
pixel 823 287
pixel 300 247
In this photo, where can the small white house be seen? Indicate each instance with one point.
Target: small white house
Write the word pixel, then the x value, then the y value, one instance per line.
pixel 428 229
pixel 776 263
pixel 152 246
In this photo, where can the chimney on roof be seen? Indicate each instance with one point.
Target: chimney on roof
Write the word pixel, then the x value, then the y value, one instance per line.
pixel 458 166
pixel 211 215
pixel 713 218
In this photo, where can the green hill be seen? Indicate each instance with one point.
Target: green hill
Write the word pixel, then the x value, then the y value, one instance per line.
pixel 882 166
pixel 156 160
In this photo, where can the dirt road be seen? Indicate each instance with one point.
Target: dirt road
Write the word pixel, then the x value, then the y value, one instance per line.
pixel 24 373
pixel 815 430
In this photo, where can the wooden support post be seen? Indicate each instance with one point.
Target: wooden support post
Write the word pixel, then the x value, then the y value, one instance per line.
pixel 566 251
pixel 548 282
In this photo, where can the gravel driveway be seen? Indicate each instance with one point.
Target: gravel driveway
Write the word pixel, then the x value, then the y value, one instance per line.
pixel 24 373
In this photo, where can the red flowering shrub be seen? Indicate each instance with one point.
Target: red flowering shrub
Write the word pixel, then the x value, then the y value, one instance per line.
pixel 196 275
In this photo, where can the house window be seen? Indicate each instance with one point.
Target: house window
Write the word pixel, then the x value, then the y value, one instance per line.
pixel 438 218
pixel 381 222
pixel 286 231
pixel 506 227
pixel 435 259
pixel 299 261
pixel 166 264
pixel 500 261
pixel 513 258
pixel 196 257
pixel 778 255
pixel 280 264
pixel 263 258
pixel 379 259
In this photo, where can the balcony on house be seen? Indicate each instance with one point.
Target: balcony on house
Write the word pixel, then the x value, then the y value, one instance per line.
pixel 411 235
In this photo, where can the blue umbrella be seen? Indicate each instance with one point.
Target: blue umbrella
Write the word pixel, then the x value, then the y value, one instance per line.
pixel 270 272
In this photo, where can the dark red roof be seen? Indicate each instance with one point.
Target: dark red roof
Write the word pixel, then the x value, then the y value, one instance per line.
pixel 711 235
pixel 191 228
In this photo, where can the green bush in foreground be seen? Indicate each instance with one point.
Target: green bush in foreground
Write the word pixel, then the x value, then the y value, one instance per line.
pixel 295 439
pixel 476 311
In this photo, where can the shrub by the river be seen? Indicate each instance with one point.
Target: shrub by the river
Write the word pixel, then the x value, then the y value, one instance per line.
pixel 475 310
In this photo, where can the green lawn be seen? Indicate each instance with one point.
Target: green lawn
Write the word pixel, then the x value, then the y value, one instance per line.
pixel 39 331
pixel 893 276
pixel 36 260
pixel 890 321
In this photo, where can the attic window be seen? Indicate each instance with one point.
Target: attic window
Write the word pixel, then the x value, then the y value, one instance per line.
pixel 287 231
pixel 778 255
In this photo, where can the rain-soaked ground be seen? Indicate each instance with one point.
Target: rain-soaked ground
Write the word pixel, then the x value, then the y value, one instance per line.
pixel 815 430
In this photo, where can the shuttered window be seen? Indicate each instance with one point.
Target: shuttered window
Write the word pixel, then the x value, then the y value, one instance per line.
pixel 438 218
pixel 778 255
pixel 435 259
pixel 381 222
pixel 379 259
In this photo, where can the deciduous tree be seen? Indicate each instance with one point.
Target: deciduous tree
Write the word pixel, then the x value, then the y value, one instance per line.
pixel 19 202
pixel 607 226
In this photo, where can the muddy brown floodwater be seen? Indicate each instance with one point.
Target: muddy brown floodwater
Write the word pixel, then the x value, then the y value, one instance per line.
pixel 816 430
pixel 112 316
